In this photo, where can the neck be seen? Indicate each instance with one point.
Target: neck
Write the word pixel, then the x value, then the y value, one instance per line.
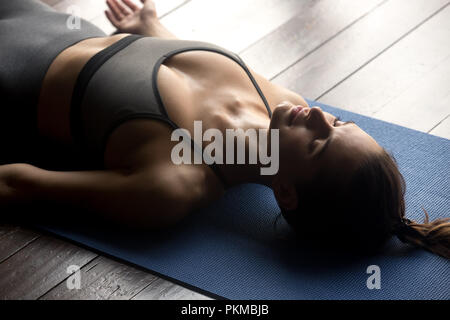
pixel 236 174
pixel 240 174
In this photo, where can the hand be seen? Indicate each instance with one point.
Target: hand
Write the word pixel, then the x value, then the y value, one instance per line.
pixel 15 184
pixel 127 17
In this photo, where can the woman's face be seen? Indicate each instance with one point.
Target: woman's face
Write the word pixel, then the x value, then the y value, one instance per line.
pixel 312 140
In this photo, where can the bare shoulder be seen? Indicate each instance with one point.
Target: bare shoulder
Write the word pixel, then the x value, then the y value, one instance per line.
pixel 276 93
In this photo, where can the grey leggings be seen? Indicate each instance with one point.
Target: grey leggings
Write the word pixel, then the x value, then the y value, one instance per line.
pixel 32 34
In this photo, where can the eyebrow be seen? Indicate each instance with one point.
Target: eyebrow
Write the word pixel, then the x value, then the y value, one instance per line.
pixel 327 143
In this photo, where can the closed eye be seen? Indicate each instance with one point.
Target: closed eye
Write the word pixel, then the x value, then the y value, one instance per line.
pixel 338 119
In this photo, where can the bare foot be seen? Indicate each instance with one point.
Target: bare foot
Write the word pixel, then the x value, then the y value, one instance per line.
pixel 128 17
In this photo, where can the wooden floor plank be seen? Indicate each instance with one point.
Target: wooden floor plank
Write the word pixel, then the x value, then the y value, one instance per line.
pixel 90 9
pixel 397 69
pixel 350 50
pixel 6 228
pixel 37 268
pixel 233 24
pixel 102 22
pixel 104 279
pixel 163 7
pixel 314 25
pixel 14 240
pixel 442 129
pixel 423 105
pixel 86 9
pixel 162 289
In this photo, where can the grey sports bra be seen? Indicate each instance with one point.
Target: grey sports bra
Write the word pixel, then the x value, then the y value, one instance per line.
pixel 119 84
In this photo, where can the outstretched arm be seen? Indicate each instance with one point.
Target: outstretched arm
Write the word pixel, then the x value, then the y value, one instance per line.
pixel 128 17
pixel 141 199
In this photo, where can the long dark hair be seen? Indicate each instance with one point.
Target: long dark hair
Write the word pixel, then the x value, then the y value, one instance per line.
pixel 361 212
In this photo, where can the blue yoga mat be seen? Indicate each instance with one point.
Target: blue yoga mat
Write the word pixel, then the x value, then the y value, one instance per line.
pixel 232 250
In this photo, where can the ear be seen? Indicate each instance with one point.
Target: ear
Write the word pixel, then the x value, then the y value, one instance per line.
pixel 285 193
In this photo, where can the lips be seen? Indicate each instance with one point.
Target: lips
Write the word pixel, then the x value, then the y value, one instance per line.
pixel 294 113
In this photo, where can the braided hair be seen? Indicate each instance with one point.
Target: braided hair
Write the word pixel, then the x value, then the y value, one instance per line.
pixel 433 236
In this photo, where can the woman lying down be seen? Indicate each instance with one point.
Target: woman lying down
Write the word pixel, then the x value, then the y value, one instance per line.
pixel 127 101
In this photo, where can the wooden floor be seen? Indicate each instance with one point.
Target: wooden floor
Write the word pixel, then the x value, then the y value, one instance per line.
pixel 389 59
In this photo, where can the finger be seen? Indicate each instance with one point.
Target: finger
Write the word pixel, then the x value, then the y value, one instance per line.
pixel 124 10
pixel 131 5
pixel 115 10
pixel 112 18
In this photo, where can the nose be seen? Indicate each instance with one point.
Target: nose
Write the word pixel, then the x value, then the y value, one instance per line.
pixel 317 121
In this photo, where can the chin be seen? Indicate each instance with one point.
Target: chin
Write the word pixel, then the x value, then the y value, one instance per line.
pixel 277 119
pixel 272 124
